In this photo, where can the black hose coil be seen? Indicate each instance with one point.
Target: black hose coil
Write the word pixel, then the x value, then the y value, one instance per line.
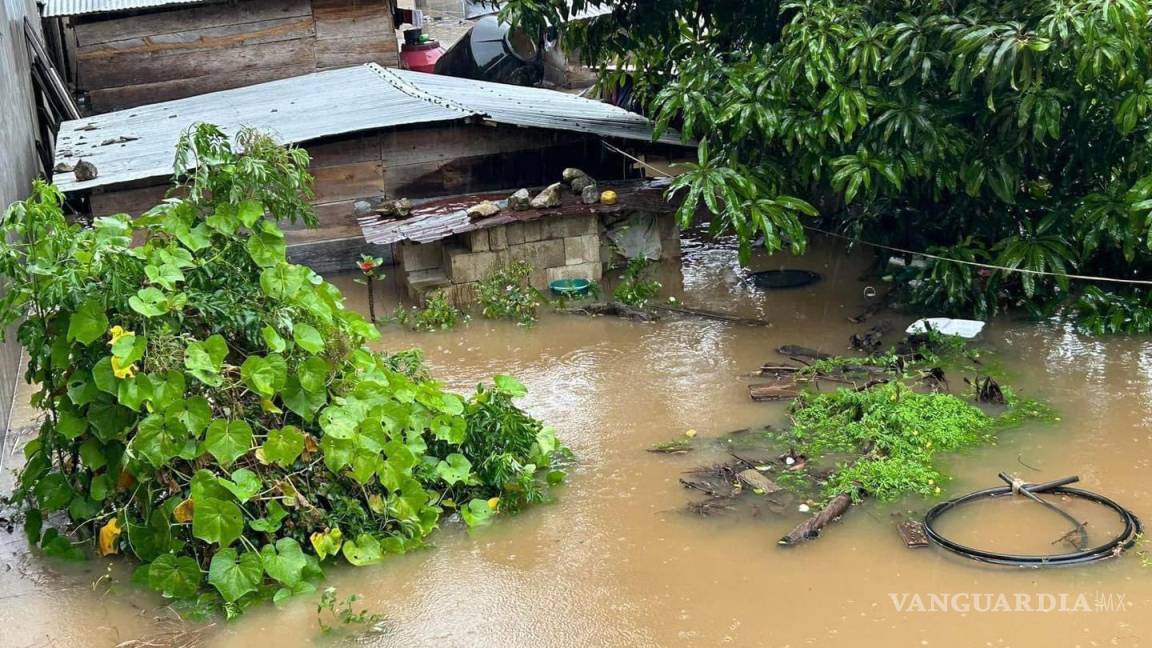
pixel 1124 540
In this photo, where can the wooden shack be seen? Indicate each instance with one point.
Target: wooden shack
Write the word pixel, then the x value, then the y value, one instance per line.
pixel 125 53
pixel 373 134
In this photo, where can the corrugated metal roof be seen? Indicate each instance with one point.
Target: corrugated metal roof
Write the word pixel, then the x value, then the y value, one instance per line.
pixel 55 8
pixel 139 143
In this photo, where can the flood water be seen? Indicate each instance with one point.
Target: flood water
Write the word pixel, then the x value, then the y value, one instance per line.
pixel 616 562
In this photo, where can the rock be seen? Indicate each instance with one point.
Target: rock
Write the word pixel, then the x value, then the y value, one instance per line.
pixel 580 183
pixel 520 200
pixel 386 208
pixel 395 208
pixel 403 207
pixel 362 209
pixel 571 174
pixel 759 482
pixel 483 209
pixel 85 171
pixel 590 195
pixel 62 167
pixel 550 197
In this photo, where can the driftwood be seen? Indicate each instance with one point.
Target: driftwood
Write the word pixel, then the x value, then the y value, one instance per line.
pixel 615 309
pixel 773 391
pixel 707 314
pixel 777 370
pixel 757 481
pixel 810 528
pixel 797 351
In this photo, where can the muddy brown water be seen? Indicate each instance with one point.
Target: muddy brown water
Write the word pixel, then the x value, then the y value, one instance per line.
pixel 615 561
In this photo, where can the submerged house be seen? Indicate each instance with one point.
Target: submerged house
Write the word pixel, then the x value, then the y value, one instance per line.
pixel 379 134
pixel 123 53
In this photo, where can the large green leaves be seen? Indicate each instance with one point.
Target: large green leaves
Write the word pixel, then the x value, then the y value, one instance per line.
pixel 308 338
pixel 175 576
pixel 284 445
pixel 204 359
pixel 217 520
pixel 228 440
pixel 235 575
pixel 284 562
pixel 264 375
pixel 88 323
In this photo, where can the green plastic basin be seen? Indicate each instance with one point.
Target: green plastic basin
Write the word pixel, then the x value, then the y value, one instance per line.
pixel 570 287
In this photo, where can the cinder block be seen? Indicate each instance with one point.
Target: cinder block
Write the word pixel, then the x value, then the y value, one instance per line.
pixel 579 225
pixel 582 249
pixel 540 254
pixel 478 240
pixel 514 232
pixel 498 238
pixel 416 256
pixel 589 271
pixel 465 266
pixel 533 231
pixel 461 295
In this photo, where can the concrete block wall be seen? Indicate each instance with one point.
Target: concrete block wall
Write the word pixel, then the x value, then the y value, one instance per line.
pixel 563 247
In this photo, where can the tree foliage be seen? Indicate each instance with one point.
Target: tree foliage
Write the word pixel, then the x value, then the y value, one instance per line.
pixel 1015 129
pixel 212 409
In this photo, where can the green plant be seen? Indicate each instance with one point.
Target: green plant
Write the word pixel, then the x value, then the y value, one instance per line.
pixel 1014 133
pixel 634 289
pixel 438 314
pixel 370 267
pixel 330 610
pixel 1099 311
pixel 506 294
pixel 211 408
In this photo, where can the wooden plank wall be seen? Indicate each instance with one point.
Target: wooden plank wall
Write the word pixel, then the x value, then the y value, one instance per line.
pixel 128 60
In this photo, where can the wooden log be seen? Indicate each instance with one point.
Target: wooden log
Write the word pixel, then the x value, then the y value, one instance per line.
pixel 707 314
pixel 615 309
pixel 811 528
pixel 756 480
pixel 773 391
pixel 797 351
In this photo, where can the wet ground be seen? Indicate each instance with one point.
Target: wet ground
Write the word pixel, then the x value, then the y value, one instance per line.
pixel 616 561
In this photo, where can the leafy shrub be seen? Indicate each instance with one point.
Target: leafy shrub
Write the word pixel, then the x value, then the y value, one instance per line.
pixel 506 294
pixel 902 429
pixel 634 289
pixel 1100 311
pixel 211 408
pixel 438 314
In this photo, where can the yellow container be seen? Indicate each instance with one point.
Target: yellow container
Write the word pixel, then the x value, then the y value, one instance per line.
pixel 608 197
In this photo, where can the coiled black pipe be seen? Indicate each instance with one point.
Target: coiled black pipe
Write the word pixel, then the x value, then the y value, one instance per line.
pixel 1124 540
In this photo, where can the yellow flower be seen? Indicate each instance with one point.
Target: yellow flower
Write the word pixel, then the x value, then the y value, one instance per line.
pixel 122 372
pixel 117 332
pixel 109 533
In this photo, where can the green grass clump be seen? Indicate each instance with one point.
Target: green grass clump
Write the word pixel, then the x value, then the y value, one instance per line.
pixel 902 429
